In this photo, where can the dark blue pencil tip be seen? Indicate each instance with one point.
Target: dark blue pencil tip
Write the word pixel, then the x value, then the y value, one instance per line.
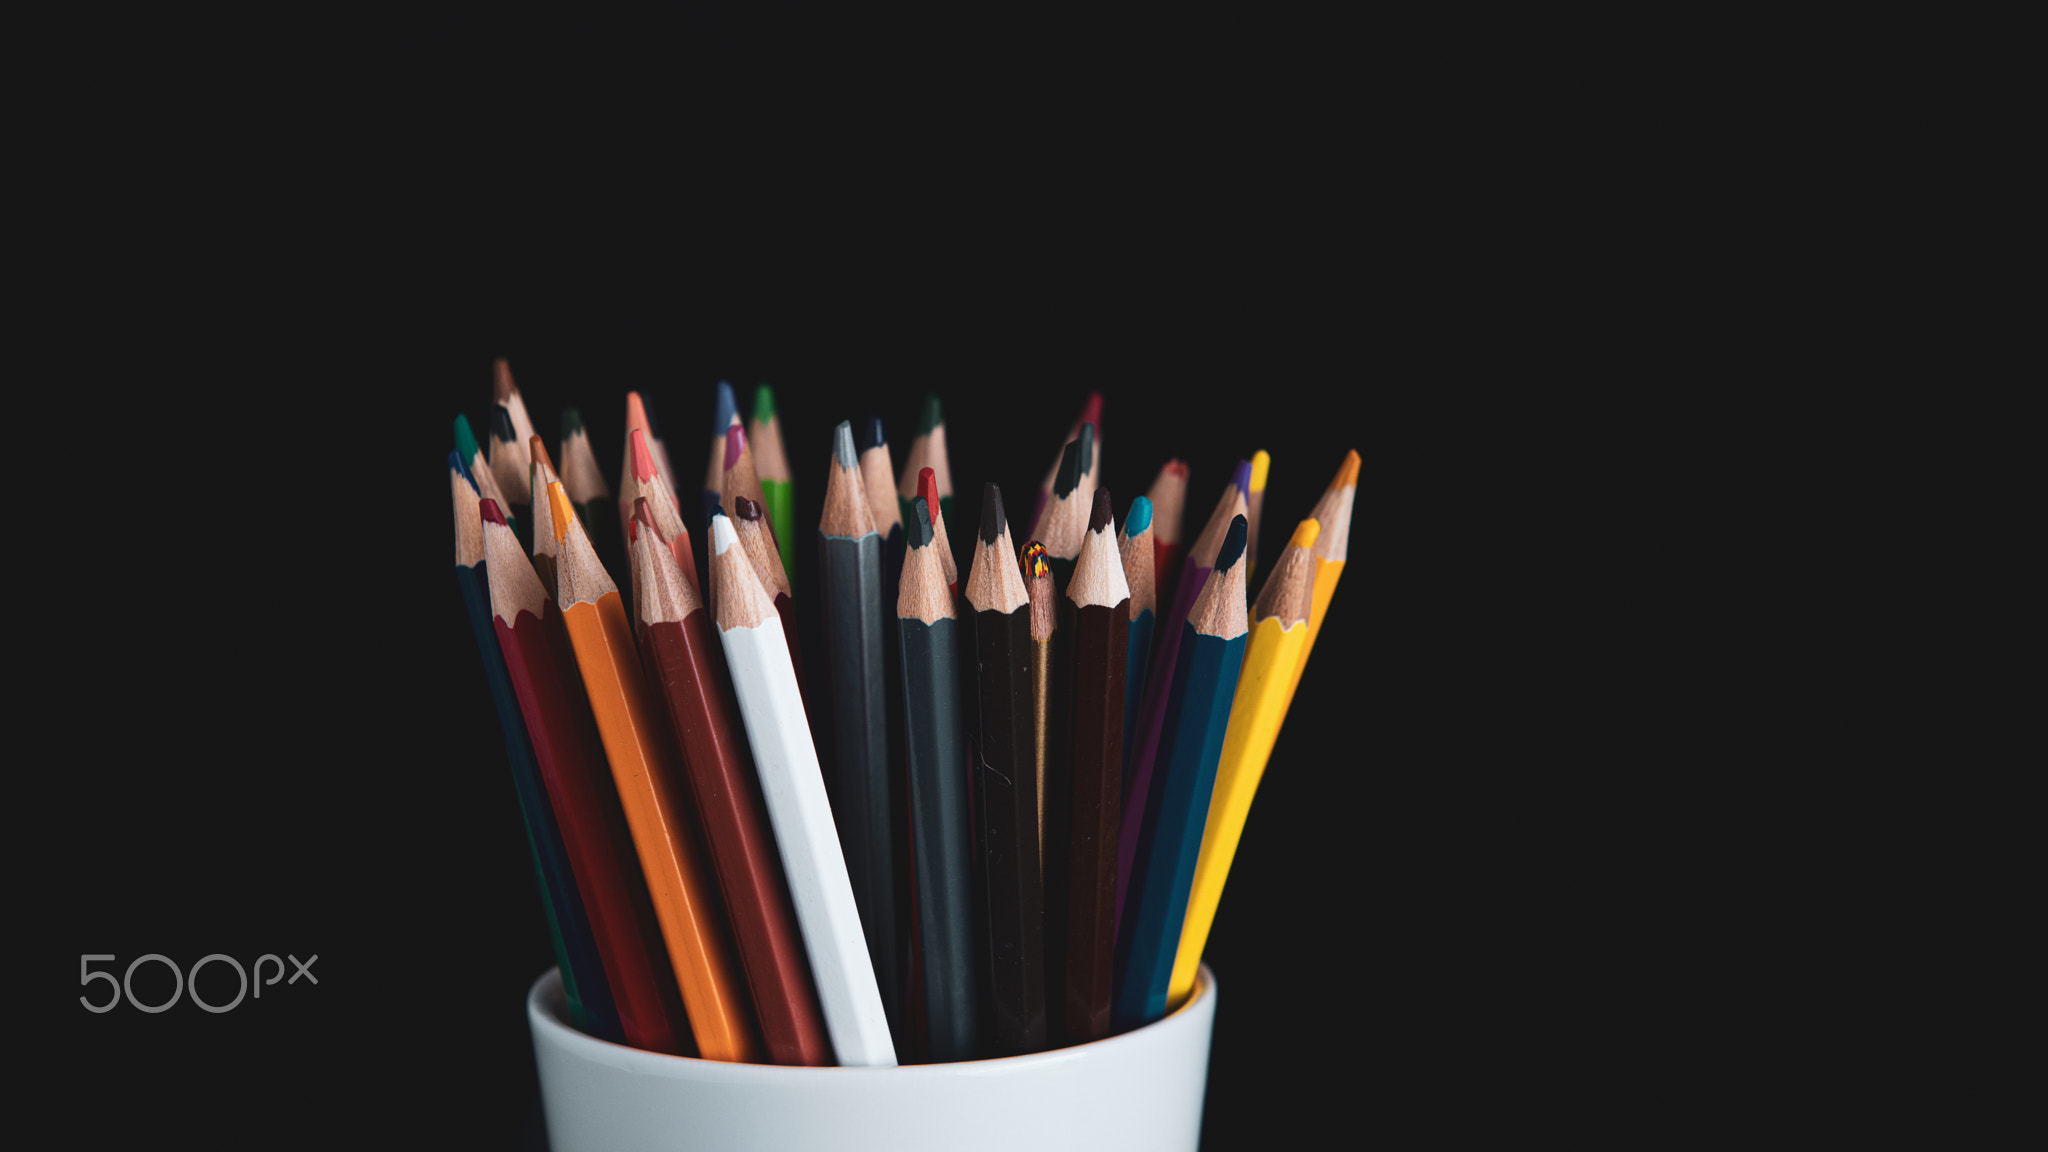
pixel 871 434
pixel 918 529
pixel 456 462
pixel 721 412
pixel 1233 544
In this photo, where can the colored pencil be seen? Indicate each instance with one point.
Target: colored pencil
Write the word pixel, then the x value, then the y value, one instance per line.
pixel 1091 413
pixel 508 458
pixel 1254 503
pixel 1205 673
pixel 878 481
pixel 1332 514
pixel 938 796
pixel 480 471
pixel 760 549
pixel 740 478
pixel 792 788
pixel 587 489
pixel 687 668
pixel 723 414
pixel 1134 546
pixel 541 474
pixel 1169 496
pixel 505 392
pixel 878 484
pixel 583 983
pixel 586 805
pixel 850 576
pixel 1006 786
pixel 640 415
pixel 778 489
pixel 1152 706
pixel 1052 756
pixel 927 490
pixel 928 450
pixel 1064 521
pixel 1096 618
pixel 646 770
pixel 1276 649
pixel 645 479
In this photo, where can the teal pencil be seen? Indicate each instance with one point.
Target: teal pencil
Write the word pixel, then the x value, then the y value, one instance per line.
pixel 1134 544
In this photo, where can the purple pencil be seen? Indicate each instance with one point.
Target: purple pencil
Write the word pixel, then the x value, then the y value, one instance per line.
pixel 1194 572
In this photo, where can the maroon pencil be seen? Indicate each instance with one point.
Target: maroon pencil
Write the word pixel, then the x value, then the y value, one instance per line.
pixel 586 803
pixel 685 663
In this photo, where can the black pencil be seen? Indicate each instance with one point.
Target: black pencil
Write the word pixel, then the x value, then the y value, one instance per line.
pixel 1006 784
pixel 938 795
pixel 1095 616
pixel 1065 519
pixel 851 573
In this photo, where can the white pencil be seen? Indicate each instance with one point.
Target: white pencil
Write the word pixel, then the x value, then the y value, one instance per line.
pixel 794 787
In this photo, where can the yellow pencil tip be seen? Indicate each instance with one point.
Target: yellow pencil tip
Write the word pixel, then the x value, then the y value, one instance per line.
pixel 1305 534
pixel 560 509
pixel 1260 462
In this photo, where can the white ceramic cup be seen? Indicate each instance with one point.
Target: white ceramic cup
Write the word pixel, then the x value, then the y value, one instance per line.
pixel 1140 1090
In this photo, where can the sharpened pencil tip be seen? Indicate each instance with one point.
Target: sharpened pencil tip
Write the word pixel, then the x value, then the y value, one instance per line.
pixel 928 492
pixel 537 451
pixel 871 434
pixel 642 514
pixel 1070 470
pixel 563 512
pixel 492 513
pixel 1087 443
pixel 992 523
pixel 722 534
pixel 460 467
pixel 842 445
pixel 917 532
pixel 1347 473
pixel 1260 463
pixel 722 409
pixel 643 458
pixel 764 403
pixel 501 424
pixel 502 387
pixel 1099 515
pixel 1243 478
pixel 735 445
pixel 746 509
pixel 1139 517
pixel 572 422
pixel 1091 409
pixel 932 416
pixel 1233 544
pixel 1031 561
pixel 465 440
pixel 1305 534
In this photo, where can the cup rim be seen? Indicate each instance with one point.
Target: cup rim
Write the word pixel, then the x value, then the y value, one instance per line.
pixel 545 995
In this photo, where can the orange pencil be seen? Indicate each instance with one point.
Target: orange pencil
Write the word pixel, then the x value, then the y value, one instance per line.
pixel 647 770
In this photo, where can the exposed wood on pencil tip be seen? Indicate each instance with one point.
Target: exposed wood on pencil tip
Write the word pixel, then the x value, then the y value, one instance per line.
pixel 993 581
pixel 1099 514
pixel 1038 587
pixel 992 522
pixel 537 450
pixel 1288 591
pixel 922 592
pixel 842 444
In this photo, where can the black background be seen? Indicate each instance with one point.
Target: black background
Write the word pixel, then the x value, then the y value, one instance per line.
pixel 275 735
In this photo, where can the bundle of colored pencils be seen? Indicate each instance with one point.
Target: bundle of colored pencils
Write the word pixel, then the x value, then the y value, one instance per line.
pixel 1012 829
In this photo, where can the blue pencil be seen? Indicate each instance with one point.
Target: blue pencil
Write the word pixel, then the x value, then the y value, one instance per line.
pixel 1134 545
pixel 1205 668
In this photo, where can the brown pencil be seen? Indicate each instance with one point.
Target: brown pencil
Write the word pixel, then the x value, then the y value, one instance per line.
pixel 1096 616
pixel 1052 755
pixel 1169 495
pixel 685 664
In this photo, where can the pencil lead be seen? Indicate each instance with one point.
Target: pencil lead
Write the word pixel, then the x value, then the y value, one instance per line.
pixel 1260 463
pixel 643 457
pixel 932 416
pixel 1031 561
pixel 992 523
pixel 722 534
pixel 764 403
pixel 842 446
pixel 1233 544
pixel 501 380
pixel 1098 516
pixel 1305 534
pixel 918 532
pixel 492 513
pixel 537 451
pixel 1243 478
pixel 461 466
pixel 501 424
pixel 746 509
pixel 722 410
pixel 1177 466
pixel 1070 470
pixel 1087 442
pixel 1347 473
pixel 563 512
pixel 1139 517
pixel 735 444
pixel 572 422
pixel 465 440
pixel 871 434
pixel 928 492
